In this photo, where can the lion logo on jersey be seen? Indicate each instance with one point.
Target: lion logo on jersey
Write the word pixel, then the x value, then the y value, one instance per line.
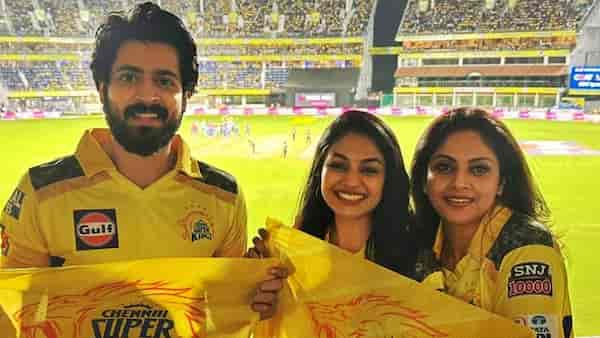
pixel 196 226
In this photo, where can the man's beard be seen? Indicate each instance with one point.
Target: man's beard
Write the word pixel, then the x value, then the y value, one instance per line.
pixel 143 141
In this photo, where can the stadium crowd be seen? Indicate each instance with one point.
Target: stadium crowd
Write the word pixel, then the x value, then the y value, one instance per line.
pixel 75 75
pixel 324 49
pixel 45 75
pixel 55 104
pixel 264 18
pixel 457 16
pixel 9 75
pixel 83 49
pixel 493 44
pixel 214 18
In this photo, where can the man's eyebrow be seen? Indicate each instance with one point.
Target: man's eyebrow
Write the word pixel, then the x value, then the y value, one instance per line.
pixel 166 72
pixel 161 72
pixel 128 68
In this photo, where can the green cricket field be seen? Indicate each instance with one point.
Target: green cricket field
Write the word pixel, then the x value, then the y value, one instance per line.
pixel 564 159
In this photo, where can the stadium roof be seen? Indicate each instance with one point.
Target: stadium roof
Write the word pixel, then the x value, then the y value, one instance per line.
pixel 485 71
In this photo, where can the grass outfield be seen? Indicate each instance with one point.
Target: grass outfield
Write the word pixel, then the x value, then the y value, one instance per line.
pixel 271 183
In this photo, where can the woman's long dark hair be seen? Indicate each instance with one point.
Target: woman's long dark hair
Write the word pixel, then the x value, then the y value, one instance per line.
pixel 391 243
pixel 520 193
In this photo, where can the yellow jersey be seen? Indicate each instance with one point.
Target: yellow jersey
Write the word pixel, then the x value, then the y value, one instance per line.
pixel 80 210
pixel 513 268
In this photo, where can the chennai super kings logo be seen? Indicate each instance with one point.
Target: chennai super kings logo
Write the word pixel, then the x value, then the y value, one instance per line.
pixel 146 312
pixel 136 320
pixel 197 225
pixel 201 230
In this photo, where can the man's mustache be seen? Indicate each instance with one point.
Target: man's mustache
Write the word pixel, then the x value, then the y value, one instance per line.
pixel 140 108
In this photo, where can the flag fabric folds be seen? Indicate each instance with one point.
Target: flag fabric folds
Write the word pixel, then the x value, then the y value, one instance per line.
pixel 330 293
pixel 334 294
pixel 161 298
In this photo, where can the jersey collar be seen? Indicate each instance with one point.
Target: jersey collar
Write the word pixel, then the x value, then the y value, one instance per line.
pixel 484 237
pixel 94 159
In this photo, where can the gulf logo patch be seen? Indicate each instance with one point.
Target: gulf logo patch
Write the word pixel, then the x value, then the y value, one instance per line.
pixel 96 229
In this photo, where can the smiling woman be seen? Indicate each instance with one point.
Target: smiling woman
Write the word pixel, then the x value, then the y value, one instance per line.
pixel 479 215
pixel 356 196
pixel 351 184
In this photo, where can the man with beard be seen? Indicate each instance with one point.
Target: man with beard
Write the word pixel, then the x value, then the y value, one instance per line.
pixel 132 191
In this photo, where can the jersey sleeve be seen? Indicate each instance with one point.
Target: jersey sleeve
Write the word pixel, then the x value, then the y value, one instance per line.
pixel 234 244
pixel 532 290
pixel 23 244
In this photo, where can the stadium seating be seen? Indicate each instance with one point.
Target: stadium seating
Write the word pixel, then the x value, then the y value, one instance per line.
pixel 265 18
pixel 457 16
pixel 321 49
pixel 207 77
pixel 9 76
pixel 218 18
pixel 22 17
pixel 61 13
pixel 43 75
pixel 491 44
pixel 43 105
pixel 229 75
pixel 275 77
pixel 59 75
pixel 227 18
pixel 4 30
pixel 77 75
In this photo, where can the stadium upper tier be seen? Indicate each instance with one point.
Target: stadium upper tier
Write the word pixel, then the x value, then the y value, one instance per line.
pixel 469 16
pixel 57 75
pixel 205 18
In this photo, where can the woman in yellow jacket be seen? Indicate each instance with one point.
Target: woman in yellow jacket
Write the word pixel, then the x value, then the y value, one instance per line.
pixel 480 217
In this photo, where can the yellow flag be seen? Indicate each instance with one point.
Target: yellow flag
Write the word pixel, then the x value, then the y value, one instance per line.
pixel 334 294
pixel 330 294
pixel 196 297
